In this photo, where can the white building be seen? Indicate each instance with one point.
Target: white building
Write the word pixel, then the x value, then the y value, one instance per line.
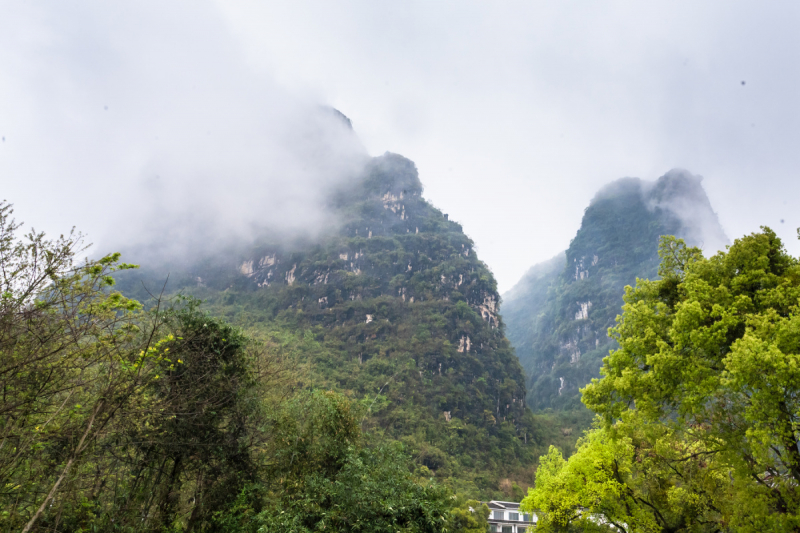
pixel 506 518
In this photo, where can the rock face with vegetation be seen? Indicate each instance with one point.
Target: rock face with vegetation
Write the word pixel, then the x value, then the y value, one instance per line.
pixel 394 307
pixel 558 315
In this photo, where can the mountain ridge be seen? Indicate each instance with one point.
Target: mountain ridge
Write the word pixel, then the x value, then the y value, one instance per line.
pixel 557 316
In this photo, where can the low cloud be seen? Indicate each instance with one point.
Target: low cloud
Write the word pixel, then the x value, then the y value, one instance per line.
pixel 143 125
pixel 682 193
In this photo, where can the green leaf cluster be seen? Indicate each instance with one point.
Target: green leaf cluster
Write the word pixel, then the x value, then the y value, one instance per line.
pixel 698 411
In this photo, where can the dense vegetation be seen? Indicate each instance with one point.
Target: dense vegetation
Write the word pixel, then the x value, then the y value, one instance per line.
pixel 394 306
pixel 119 419
pixel 362 381
pixel 558 314
pixel 698 415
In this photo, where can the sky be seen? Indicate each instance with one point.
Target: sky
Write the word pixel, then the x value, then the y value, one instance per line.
pixel 515 113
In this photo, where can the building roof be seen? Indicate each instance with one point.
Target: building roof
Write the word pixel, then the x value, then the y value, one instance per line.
pixel 507 506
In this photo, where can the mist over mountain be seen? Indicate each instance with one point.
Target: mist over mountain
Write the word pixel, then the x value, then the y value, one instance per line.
pixel 158 133
pixel 391 304
pixel 236 200
pixel 558 314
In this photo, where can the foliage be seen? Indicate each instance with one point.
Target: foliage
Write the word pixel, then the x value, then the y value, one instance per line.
pixel 392 306
pixel 322 478
pixel 468 516
pixel 195 443
pixel 111 415
pixel 66 367
pixel 638 477
pixel 172 420
pixel 699 404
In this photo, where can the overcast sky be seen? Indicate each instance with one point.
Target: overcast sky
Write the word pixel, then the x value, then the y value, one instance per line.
pixel 514 112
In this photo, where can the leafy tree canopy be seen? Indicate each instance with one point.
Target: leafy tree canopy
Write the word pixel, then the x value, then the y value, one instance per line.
pixel 698 408
pixel 321 477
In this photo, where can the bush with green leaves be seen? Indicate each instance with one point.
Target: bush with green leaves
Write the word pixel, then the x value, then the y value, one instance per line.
pixel 322 477
pixel 111 416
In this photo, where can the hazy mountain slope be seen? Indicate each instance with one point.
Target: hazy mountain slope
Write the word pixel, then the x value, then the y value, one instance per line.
pixel 558 315
pixel 394 301
pixel 531 288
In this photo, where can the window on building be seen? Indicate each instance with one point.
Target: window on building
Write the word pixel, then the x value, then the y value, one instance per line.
pixel 508 529
pixel 527 517
pixel 497 515
pixel 513 516
pixel 521 530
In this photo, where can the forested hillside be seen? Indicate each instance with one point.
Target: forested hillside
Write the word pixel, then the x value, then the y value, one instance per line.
pixel 119 418
pixel 558 315
pixel 394 306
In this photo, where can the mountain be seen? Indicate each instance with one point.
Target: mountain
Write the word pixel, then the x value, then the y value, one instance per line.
pixel 559 313
pixel 393 306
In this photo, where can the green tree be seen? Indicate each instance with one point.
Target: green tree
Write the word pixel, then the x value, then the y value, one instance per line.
pixel 634 477
pixel 323 478
pixel 705 386
pixel 200 426
pixel 467 516
pixel 112 417
pixel 65 365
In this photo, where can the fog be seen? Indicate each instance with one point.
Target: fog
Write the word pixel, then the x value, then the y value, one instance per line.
pixel 684 197
pixel 123 119
pixel 518 112
pixel 141 124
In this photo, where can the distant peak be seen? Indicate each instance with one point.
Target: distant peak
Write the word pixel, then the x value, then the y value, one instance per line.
pixel 619 187
pixel 393 173
pixel 678 194
pixel 339 116
pixel 675 184
pixel 681 173
pixel 681 193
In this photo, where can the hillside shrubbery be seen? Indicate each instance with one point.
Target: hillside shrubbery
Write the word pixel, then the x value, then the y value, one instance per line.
pixel 392 305
pixel 119 419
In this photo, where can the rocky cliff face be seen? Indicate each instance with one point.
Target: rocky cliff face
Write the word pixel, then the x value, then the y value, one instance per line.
pixel 398 305
pixel 559 313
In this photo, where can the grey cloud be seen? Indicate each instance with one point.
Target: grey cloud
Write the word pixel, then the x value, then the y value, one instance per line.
pixel 143 124
pixel 515 113
pixel 681 193
pixel 531 107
